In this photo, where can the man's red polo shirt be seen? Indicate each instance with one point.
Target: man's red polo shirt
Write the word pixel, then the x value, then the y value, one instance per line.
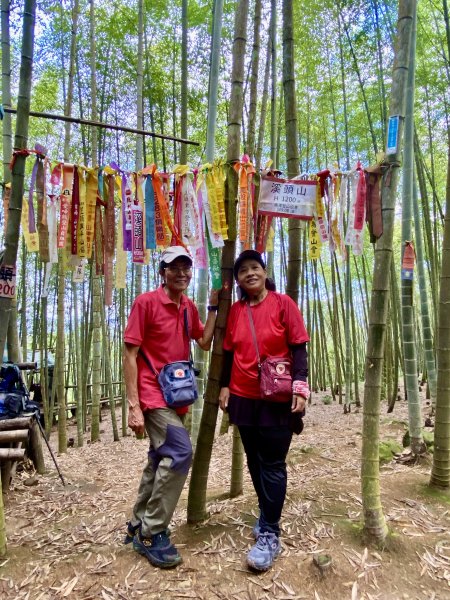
pixel 156 325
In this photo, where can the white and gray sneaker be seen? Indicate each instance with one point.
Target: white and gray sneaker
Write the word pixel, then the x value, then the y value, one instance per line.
pixel 264 552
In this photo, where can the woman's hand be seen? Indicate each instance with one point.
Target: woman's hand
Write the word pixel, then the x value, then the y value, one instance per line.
pixel 298 403
pixel 224 395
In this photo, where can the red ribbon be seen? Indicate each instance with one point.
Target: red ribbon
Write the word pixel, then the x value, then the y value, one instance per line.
pixel 360 199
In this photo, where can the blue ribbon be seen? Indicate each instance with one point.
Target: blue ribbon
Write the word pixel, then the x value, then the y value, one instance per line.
pixel 150 237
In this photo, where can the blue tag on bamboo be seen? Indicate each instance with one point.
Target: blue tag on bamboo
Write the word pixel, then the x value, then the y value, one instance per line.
pixel 408 274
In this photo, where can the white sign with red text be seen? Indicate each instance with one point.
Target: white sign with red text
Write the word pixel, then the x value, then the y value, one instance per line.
pixel 7 281
pixel 295 198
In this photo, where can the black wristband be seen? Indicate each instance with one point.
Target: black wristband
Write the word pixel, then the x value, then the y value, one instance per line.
pixel 214 308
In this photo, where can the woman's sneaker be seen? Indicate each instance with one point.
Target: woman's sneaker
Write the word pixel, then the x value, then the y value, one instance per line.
pixel 264 552
pixel 157 549
pixel 256 530
pixel 131 532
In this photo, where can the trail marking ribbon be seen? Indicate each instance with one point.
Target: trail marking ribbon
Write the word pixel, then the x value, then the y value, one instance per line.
pixel 408 261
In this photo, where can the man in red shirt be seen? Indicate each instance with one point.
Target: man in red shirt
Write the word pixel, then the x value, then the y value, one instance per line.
pixel 156 330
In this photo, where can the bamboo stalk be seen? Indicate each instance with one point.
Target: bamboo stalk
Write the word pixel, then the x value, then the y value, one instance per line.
pixel 11 453
pixel 78 121
pixel 19 423
pixel 13 435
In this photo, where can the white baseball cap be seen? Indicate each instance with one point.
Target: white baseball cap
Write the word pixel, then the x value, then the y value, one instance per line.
pixel 174 252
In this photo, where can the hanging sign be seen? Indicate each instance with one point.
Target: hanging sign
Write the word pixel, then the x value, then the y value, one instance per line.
pixel 7 281
pixel 295 198
pixel 78 269
pixel 392 136
pixel 137 234
pixel 65 203
pixel 315 243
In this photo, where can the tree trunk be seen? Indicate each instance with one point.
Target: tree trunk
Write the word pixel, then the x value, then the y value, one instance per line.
pixel 408 326
pixel 18 171
pixel 199 476
pixel 184 80
pixel 139 122
pixel 440 473
pixel 374 521
pixel 6 91
pixel 58 378
pixel 254 82
pixel 199 354
pixel 108 373
pixel 273 91
pixel 292 159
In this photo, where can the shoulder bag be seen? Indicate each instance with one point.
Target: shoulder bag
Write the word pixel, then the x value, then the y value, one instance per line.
pixel 177 379
pixel 275 378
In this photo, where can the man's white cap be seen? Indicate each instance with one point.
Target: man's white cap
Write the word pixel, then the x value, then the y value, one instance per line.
pixel 173 252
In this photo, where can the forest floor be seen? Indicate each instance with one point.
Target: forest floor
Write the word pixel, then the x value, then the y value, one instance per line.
pixel 67 542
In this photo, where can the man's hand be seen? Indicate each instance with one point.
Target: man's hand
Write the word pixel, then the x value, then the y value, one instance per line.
pixel 224 395
pixel 298 403
pixel 214 297
pixel 136 419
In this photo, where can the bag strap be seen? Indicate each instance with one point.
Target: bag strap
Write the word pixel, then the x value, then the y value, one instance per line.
pixel 186 329
pixel 252 328
pixel 148 362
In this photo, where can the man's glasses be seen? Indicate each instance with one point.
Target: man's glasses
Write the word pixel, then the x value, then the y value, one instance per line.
pixel 180 270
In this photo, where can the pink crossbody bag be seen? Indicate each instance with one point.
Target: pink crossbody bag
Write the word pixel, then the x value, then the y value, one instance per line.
pixel 275 372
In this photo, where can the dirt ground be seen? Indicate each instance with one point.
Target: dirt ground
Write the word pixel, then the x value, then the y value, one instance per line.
pixel 67 542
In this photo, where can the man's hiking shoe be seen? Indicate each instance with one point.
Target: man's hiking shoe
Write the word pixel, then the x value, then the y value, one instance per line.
pixel 264 552
pixel 256 530
pixel 131 532
pixel 157 549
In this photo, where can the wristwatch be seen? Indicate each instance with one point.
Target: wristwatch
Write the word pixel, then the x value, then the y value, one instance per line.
pixel 214 307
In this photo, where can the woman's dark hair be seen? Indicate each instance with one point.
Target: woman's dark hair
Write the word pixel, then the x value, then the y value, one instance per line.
pixel 269 284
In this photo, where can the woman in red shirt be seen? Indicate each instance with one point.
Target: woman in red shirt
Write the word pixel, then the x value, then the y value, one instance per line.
pixel 265 427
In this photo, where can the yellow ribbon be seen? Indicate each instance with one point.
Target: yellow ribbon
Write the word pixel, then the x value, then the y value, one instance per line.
pixel 81 227
pixel 91 201
pixel 31 239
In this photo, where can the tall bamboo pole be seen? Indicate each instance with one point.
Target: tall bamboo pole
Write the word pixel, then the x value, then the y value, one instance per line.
pixel 408 326
pixel 374 521
pixel 292 158
pixel 440 474
pixel 199 476
pixel 18 171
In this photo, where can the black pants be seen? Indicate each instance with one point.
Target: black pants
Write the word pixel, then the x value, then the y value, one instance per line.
pixel 266 449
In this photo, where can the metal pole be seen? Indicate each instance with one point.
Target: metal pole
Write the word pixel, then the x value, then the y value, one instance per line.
pixel 49 449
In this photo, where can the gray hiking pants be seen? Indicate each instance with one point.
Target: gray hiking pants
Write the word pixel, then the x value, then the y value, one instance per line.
pixel 169 460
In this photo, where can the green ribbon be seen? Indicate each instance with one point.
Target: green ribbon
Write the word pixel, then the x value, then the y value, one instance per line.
pixel 215 270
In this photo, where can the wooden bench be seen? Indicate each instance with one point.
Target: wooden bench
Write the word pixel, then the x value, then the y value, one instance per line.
pixel 19 438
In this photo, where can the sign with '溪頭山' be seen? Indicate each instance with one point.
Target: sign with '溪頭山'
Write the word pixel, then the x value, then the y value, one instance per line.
pixel 295 198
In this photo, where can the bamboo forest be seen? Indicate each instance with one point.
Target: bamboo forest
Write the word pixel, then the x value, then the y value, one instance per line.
pixel 317 137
